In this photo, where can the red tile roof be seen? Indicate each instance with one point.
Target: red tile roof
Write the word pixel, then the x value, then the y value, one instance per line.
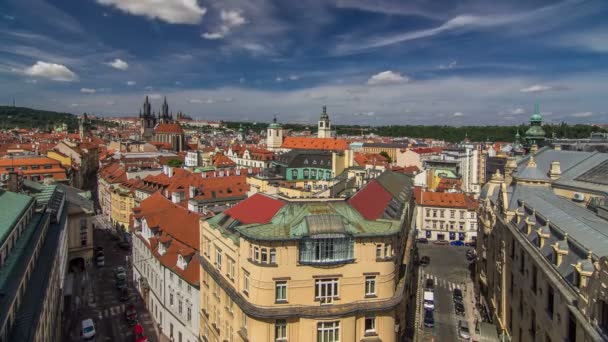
pixel 376 159
pixel 168 128
pixel 256 209
pixel 427 150
pixel 308 143
pixel 444 199
pixel 371 201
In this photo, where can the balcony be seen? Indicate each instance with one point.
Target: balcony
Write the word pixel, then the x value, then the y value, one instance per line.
pixel 326 251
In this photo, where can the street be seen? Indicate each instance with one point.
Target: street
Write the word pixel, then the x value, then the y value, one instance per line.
pixel 101 297
pixel 448 268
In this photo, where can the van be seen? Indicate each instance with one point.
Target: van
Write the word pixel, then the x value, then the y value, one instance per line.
pixel 88 330
pixel 429 300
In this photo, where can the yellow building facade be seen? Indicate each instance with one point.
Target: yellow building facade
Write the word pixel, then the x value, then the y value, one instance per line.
pixel 123 202
pixel 303 271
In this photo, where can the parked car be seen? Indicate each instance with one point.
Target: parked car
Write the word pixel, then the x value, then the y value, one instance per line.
pixel 88 330
pixel 459 308
pixel 429 319
pixel 422 240
pixel 125 295
pixel 442 242
pixel 425 260
pixel 124 245
pixel 131 314
pixel 429 285
pixel 429 300
pixel 121 283
pixel 119 272
pixel 457 295
pixel 457 243
pixel 100 259
pixel 139 334
pixel 463 330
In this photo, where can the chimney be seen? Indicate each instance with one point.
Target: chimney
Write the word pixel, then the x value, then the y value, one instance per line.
pixel 192 191
pixel 555 171
pixel 534 149
pixel 193 205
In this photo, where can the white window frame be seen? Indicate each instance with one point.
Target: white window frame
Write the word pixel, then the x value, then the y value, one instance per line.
pixel 328 331
pixel 370 285
pixel 371 319
pixel 326 290
pixel 280 330
pixel 282 286
pixel 218 258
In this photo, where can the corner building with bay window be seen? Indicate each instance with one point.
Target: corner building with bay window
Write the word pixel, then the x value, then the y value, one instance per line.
pixel 327 270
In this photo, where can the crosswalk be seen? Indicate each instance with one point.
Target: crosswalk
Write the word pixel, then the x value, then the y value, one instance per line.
pixel 112 311
pixel 444 283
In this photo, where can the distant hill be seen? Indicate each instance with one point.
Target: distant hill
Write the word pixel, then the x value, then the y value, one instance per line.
pixel 22 117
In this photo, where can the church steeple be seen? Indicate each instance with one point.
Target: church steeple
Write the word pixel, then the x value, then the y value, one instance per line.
pixel 324 130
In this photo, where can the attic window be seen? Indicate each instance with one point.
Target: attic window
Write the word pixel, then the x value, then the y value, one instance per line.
pixel 162 249
pixel 181 262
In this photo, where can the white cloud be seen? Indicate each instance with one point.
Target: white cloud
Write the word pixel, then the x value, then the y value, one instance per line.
pixel 387 77
pixel 242 80
pixel 213 35
pixel 9 17
pixel 31 81
pixel 74 105
pixel 155 96
pixel 52 71
pixel 458 114
pixel 450 65
pixel 209 101
pixel 518 111
pixel 537 88
pixel 88 90
pixel 170 11
pixel 119 64
pixel 595 41
pixel 294 77
pixel 131 83
pixel 582 115
pixel 278 79
pixel 229 20
pixel 196 101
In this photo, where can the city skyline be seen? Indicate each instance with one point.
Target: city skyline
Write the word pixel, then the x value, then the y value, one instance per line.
pixel 371 62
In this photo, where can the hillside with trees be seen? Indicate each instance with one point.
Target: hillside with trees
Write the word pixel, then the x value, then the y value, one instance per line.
pixel 22 117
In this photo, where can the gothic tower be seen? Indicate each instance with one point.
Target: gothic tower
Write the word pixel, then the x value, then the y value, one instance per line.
pixel 147 121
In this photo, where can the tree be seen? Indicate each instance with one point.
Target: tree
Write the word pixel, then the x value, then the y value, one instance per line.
pixel 175 163
pixel 385 155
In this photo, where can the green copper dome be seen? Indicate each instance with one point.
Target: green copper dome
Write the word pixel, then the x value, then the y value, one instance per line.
pixel 536 117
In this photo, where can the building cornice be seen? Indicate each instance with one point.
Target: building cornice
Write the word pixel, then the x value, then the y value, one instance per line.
pixel 302 311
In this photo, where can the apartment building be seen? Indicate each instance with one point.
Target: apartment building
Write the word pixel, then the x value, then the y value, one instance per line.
pixel 33 257
pixel 309 270
pixel 446 216
pixel 165 272
pixel 541 267
pixel 33 167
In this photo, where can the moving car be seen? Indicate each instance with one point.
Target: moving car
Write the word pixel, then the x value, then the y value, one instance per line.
pixel 459 308
pixel 457 295
pixel 124 294
pixel 429 320
pixel 429 300
pixel 422 240
pixel 119 272
pixel 124 245
pixel 442 242
pixel 425 260
pixel 139 334
pixel 463 330
pixel 88 330
pixel 429 286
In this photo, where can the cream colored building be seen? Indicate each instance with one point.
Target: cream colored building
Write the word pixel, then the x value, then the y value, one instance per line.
pixel 542 258
pixel 277 270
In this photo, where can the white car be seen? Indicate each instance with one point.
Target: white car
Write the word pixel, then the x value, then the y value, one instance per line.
pixel 429 300
pixel 463 330
pixel 88 330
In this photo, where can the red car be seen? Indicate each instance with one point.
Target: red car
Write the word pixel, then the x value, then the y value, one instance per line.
pixel 138 333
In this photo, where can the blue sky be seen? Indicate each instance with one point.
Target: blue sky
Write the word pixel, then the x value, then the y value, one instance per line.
pixel 370 61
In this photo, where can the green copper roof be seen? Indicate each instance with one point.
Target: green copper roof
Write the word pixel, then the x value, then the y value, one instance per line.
pixel 301 219
pixel 536 117
pixel 535 131
pixel 12 206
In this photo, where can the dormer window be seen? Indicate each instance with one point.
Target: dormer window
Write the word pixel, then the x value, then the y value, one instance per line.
pixel 181 262
pixel 162 249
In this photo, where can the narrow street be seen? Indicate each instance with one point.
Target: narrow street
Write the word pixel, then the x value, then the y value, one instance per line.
pixel 101 300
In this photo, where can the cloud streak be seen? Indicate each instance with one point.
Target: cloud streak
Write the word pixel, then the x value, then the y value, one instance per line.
pixel 51 71
pixel 170 11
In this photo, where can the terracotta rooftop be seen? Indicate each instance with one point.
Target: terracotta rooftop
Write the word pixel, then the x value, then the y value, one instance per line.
pixel 168 128
pixel 444 199
pixel 309 143
pixel 371 201
pixel 256 209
